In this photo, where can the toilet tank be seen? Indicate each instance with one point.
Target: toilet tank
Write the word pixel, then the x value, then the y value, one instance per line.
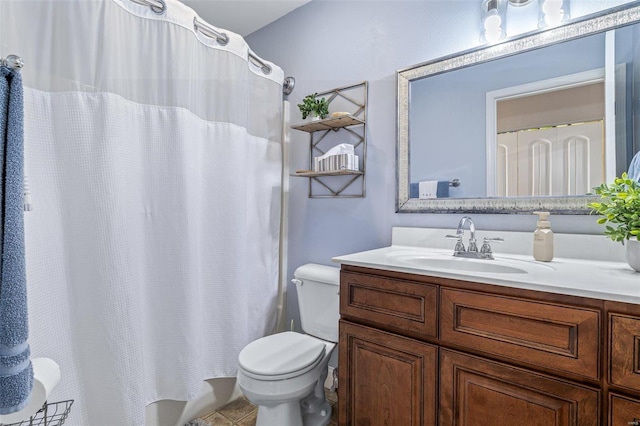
pixel 318 299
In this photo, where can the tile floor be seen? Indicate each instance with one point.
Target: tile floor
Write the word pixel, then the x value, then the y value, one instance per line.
pixel 242 413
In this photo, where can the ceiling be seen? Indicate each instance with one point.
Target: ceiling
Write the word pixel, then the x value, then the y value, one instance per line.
pixel 242 16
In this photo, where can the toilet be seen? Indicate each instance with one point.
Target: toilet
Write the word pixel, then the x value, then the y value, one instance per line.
pixel 284 373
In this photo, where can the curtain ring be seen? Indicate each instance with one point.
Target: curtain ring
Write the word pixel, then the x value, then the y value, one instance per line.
pixel 265 68
pixel 159 9
pixel 221 38
pixel 156 6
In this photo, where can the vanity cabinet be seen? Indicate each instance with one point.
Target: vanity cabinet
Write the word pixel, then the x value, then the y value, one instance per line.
pixel 422 350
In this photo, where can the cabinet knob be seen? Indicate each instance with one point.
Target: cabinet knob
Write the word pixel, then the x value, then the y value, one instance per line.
pixel 635 422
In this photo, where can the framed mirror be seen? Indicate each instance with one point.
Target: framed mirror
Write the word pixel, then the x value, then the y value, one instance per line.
pixel 532 123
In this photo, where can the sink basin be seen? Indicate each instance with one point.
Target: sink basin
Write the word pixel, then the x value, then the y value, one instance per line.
pixel 440 261
pixel 460 264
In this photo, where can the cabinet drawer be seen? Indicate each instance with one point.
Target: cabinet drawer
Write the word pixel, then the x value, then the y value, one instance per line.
pixel 558 337
pixel 624 349
pixel 623 410
pixel 404 306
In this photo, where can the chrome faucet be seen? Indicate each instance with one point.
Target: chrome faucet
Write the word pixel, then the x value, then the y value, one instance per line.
pixel 472 250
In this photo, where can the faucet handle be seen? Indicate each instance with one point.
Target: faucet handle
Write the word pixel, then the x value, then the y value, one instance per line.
pixel 493 240
pixel 459 248
pixel 486 246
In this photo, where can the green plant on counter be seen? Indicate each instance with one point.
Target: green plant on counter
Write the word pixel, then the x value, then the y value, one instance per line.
pixel 311 106
pixel 620 205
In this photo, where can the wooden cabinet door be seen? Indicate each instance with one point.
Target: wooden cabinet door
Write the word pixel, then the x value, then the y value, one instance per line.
pixel 385 379
pixel 623 411
pixel 478 392
pixel 624 358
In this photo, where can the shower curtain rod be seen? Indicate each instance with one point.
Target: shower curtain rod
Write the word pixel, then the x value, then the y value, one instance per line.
pixel 158 6
pixel 12 61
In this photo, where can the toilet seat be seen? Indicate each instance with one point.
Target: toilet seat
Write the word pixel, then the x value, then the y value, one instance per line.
pixel 281 356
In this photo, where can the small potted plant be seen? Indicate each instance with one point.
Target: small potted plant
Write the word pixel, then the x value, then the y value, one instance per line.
pixel 314 108
pixel 620 206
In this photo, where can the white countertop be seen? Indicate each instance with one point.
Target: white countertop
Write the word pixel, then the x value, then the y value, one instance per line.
pixel 591 278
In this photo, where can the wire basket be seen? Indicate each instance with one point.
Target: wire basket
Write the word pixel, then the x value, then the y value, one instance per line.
pixel 51 414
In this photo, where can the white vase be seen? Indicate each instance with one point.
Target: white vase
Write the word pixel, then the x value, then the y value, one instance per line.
pixel 632 253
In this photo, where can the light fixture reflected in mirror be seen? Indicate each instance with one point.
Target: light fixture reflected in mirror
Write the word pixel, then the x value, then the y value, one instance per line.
pixel 493 20
pixel 553 13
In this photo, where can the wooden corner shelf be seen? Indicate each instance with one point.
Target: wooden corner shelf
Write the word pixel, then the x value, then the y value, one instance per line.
pixel 328 124
pixel 353 101
pixel 334 173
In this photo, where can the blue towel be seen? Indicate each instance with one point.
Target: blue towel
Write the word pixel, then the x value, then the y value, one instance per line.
pixel 443 189
pixel 16 372
pixel 634 168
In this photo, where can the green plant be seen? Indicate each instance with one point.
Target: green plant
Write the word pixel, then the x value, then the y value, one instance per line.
pixel 312 106
pixel 620 205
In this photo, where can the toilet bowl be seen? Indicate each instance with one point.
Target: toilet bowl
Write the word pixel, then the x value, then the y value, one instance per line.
pixel 284 373
pixel 278 371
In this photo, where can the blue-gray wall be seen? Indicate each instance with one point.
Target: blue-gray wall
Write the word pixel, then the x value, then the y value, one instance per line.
pixel 332 43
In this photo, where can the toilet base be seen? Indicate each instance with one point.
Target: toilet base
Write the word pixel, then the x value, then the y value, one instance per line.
pixel 316 411
pixel 282 414
pixel 290 414
pixel 322 417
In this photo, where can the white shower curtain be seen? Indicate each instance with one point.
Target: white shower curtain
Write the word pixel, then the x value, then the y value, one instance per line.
pixel 154 158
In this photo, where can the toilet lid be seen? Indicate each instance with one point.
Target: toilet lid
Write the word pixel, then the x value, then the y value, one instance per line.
pixel 281 354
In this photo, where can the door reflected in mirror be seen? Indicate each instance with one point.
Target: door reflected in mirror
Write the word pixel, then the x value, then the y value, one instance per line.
pixel 550 138
pixel 554 160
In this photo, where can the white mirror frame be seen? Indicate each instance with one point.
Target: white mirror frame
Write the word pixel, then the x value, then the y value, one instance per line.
pixel 607 20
